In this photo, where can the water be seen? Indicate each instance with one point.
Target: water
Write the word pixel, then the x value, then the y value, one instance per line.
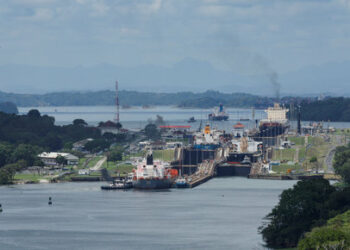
pixel 137 117
pixel 224 213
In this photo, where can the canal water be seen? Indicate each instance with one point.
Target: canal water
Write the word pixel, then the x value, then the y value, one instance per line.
pixel 223 213
pixel 137 117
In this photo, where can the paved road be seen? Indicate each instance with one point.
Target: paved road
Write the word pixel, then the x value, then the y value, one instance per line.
pixel 99 164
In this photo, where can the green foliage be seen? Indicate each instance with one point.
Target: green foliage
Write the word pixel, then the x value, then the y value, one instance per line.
pixel 115 155
pixel 298 210
pixel 325 238
pixel 34 114
pixel 152 132
pixel 331 109
pixel 25 152
pixel 97 145
pixel 335 235
pixel 23 137
pixel 8 172
pixel 313 159
pixel 38 130
pixel 341 162
pixel 79 122
pixel 61 160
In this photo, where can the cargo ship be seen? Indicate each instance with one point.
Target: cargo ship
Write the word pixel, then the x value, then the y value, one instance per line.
pixel 153 174
pixel 219 114
pixel 276 123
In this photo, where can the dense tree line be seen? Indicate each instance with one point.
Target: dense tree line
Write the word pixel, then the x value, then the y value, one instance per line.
pixel 330 109
pixel 23 137
pixel 310 203
pixel 206 99
pixel 38 130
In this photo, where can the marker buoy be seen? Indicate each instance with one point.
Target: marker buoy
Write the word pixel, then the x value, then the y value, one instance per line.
pixel 0 208
pixel 50 201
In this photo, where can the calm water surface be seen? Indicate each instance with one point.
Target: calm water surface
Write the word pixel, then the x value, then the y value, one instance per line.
pixel 223 213
pixel 137 117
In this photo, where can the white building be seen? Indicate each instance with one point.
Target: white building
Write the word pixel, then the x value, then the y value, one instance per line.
pixel 49 158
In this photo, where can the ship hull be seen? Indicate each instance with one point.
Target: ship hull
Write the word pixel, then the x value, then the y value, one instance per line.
pixel 218 118
pixel 152 184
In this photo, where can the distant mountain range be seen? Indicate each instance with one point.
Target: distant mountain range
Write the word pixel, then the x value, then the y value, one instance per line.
pixel 186 75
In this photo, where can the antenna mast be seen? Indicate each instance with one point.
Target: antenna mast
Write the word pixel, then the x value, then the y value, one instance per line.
pixel 117 102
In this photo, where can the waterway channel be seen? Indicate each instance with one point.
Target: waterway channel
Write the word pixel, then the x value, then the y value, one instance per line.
pixel 223 213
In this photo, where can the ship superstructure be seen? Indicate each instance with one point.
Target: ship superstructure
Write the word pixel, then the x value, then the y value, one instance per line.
pixel 153 174
pixel 276 122
pixel 207 139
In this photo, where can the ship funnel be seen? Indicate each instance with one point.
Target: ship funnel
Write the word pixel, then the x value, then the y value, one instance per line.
pixel 207 129
pixel 149 158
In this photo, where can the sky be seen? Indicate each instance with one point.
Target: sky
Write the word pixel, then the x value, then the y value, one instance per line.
pixel 241 36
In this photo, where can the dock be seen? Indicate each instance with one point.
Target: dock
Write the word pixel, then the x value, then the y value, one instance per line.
pixel 206 169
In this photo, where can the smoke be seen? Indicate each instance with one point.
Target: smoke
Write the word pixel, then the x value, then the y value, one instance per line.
pixel 262 67
pixel 276 86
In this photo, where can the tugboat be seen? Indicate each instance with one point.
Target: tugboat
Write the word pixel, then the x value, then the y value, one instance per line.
pixel 181 182
pixel 125 183
pixel 191 120
pixel 151 174
pixel 219 115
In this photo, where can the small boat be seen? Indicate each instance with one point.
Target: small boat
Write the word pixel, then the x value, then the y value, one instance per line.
pixel 181 182
pixel 191 120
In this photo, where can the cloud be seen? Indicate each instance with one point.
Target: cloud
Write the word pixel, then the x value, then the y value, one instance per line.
pixel 150 8
pixel 99 8
pixel 345 3
pixel 213 10
pixel 39 14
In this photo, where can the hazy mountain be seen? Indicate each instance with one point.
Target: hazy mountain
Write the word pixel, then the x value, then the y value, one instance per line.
pixel 186 75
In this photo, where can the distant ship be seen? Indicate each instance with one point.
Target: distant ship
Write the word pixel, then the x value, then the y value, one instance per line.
pixel 219 115
pixel 151 174
pixel 192 119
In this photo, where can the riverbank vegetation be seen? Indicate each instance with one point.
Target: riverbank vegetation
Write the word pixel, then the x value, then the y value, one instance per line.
pixel 23 137
pixel 330 109
pixel 313 214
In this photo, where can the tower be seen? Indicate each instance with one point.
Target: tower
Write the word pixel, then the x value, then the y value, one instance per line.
pixel 116 119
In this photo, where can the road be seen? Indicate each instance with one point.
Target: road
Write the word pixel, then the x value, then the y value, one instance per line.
pixel 330 155
pixel 99 164
pixel 329 160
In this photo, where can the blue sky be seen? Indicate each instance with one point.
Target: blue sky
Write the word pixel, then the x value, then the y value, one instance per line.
pixel 246 37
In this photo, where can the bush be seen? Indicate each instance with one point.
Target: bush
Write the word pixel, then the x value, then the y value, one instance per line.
pixel 299 208
pixel 325 238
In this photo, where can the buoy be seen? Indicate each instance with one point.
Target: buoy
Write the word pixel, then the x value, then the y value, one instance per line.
pixel 0 208
pixel 50 201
